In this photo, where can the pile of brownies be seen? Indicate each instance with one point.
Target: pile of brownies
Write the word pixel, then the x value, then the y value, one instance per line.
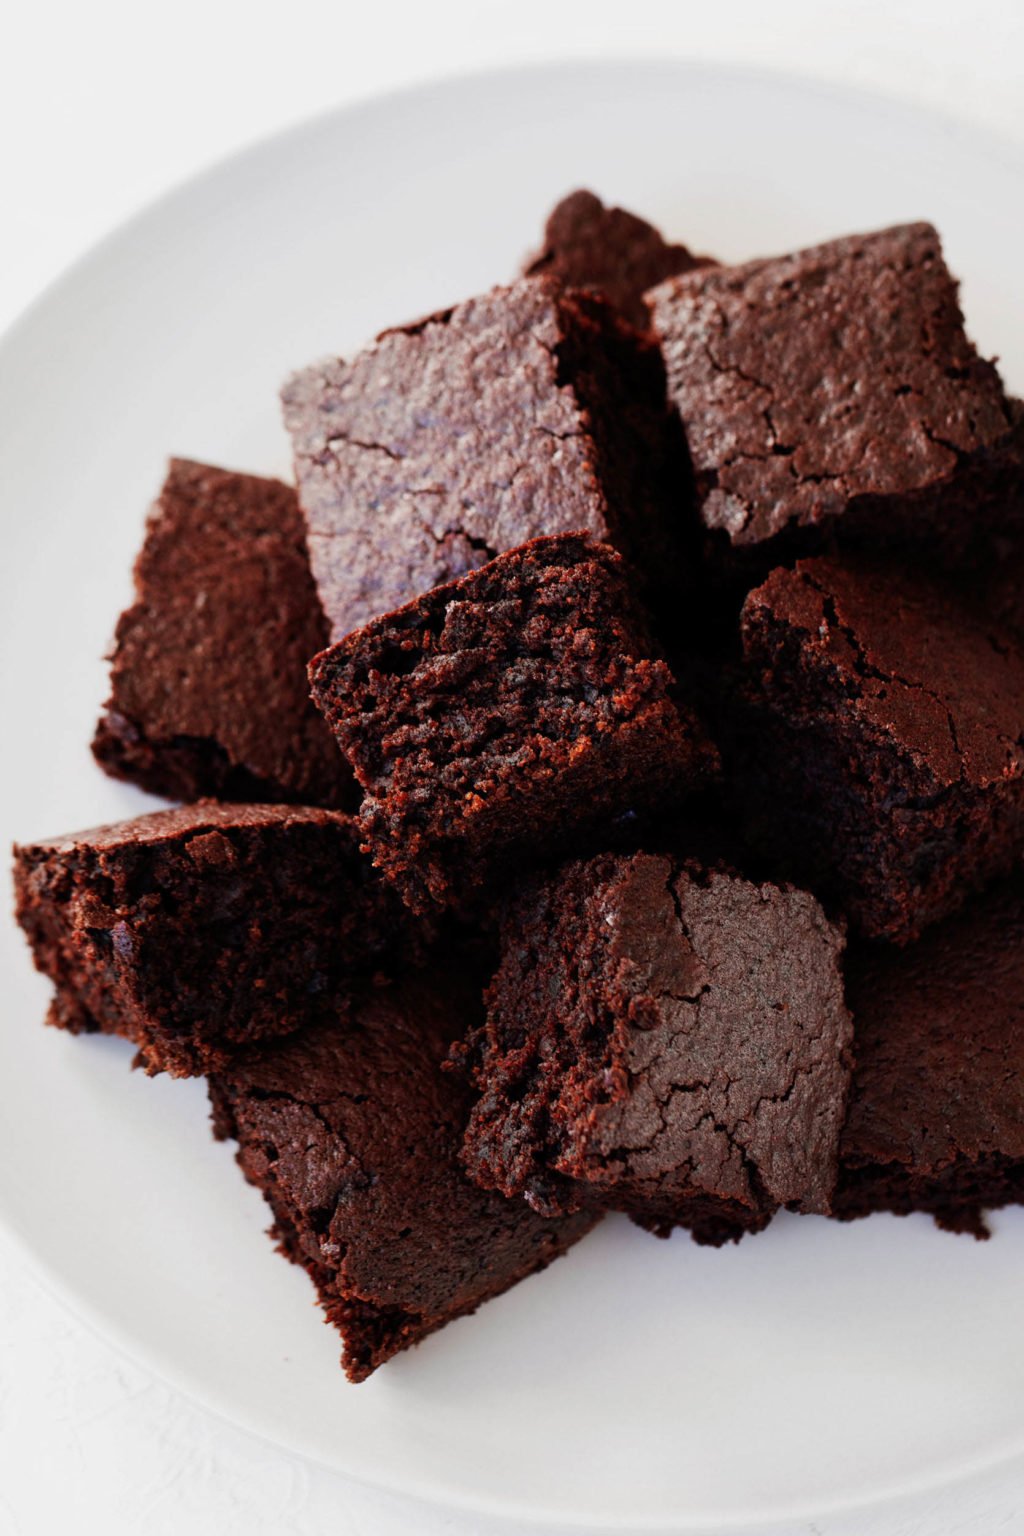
pixel 602 778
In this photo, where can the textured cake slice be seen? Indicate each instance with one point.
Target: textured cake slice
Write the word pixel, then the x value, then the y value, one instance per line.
pixel 352 1130
pixel 936 1118
pixel 208 690
pixel 587 245
pixel 496 719
pixel 191 931
pixel 882 749
pixel 663 1040
pixel 526 411
pixel 834 392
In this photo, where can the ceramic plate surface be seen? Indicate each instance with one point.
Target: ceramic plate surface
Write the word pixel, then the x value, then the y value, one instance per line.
pixel 637 1383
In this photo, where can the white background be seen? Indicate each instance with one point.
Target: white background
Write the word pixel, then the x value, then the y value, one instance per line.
pixel 103 106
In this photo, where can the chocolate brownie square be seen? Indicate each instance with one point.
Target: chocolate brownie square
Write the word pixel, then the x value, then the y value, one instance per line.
pixel 666 1040
pixel 881 752
pixel 208 678
pixel 834 393
pixel 524 412
pixel 194 930
pixel 587 245
pixel 352 1130
pixel 936 1117
pixel 499 718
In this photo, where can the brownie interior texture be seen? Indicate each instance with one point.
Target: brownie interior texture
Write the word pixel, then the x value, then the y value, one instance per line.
pixel 191 931
pixel 500 717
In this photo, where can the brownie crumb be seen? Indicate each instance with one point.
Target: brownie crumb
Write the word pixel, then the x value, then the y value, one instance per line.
pixel 500 718
pixel 195 930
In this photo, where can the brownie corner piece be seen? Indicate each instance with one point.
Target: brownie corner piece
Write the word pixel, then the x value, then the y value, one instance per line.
pixel 525 411
pixel 506 713
pixel 879 749
pixel 195 930
pixel 589 245
pixel 664 1039
pixel 935 1122
pixel 351 1130
pixel 834 394
pixel 208 691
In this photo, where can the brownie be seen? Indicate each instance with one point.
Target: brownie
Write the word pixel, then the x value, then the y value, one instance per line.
pixel 527 411
pixel 1004 591
pixel 994 582
pixel 881 746
pixel 352 1131
pixel 587 245
pixel 936 1117
pixel 208 690
pixel 833 394
pixel 193 930
pixel 499 718
pixel 666 1040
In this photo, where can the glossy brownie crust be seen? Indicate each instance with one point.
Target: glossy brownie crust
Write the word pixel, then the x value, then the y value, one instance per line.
pixel 192 931
pixel 587 245
pixel 882 752
pixel 836 387
pixel 499 718
pixel 208 691
pixel 523 412
pixel 663 1040
pixel 935 1119
pixel 351 1130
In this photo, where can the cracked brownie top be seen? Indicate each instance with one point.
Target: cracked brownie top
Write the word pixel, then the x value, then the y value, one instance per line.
pixel 877 749
pixel 893 653
pixel 351 1129
pixel 208 690
pixel 523 412
pixel 813 381
pixel 666 1040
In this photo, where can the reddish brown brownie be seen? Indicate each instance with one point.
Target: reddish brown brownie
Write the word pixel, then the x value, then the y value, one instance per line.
pixel 208 678
pixel 194 930
pixel 936 1118
pixel 352 1132
pixel 587 245
pixel 881 753
pixel 497 719
pixel 526 411
pixel 663 1040
pixel 1001 590
pixel 834 391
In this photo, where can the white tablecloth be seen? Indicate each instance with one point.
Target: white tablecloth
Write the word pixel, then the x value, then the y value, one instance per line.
pixel 102 107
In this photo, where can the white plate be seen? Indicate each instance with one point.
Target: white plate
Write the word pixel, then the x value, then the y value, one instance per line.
pixel 636 1383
